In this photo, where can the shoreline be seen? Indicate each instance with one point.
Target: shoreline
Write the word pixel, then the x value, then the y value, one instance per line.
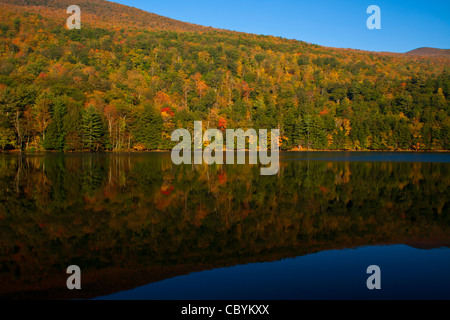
pixel 17 152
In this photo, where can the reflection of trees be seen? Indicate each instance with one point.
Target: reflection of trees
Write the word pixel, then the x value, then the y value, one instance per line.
pixel 133 210
pixel 92 176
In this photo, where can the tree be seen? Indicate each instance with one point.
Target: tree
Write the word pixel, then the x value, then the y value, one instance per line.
pixel 41 114
pixel 7 137
pixel 22 97
pixel 112 118
pixel 92 128
pixel 148 128
pixel 289 126
pixel 57 130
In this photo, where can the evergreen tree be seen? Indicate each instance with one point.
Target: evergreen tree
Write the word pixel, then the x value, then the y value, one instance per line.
pixel 318 133
pixel 148 128
pixel 93 130
pixel 289 129
pixel 297 135
pixel 307 131
pixel 57 131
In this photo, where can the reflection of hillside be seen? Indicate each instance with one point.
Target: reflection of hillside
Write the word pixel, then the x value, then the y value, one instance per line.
pixel 429 245
pixel 107 281
pixel 132 220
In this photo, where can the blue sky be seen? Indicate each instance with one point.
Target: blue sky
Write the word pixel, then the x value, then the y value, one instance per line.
pixel 405 25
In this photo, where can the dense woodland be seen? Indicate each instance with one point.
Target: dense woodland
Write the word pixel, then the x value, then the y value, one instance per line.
pixel 120 86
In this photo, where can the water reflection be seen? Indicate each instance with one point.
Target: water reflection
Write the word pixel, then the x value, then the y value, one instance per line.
pixel 407 273
pixel 129 220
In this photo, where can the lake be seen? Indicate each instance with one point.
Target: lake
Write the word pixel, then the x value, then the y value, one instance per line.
pixel 140 227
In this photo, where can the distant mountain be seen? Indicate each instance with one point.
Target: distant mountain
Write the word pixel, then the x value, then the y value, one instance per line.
pixel 430 52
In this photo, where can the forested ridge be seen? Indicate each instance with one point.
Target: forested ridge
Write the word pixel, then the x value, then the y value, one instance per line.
pixel 128 78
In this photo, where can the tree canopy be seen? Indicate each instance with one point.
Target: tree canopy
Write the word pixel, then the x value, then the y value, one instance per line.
pixel 118 85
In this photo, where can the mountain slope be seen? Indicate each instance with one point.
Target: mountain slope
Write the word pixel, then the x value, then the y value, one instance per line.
pixel 128 78
pixel 105 12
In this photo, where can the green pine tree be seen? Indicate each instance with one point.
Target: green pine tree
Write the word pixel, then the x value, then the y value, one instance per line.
pixel 93 129
pixel 56 132
pixel 289 128
pixel 148 128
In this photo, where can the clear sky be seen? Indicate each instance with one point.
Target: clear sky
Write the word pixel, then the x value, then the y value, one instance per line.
pixel 405 25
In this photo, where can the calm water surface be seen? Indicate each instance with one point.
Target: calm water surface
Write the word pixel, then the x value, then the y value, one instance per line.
pixel 140 227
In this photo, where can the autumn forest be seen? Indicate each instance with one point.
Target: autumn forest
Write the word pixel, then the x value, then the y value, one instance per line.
pixel 119 84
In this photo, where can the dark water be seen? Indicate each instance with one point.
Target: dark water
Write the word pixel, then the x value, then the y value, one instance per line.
pixel 140 227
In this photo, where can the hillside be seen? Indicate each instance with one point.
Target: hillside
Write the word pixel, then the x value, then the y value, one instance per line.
pixel 100 12
pixel 128 78
pixel 431 52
